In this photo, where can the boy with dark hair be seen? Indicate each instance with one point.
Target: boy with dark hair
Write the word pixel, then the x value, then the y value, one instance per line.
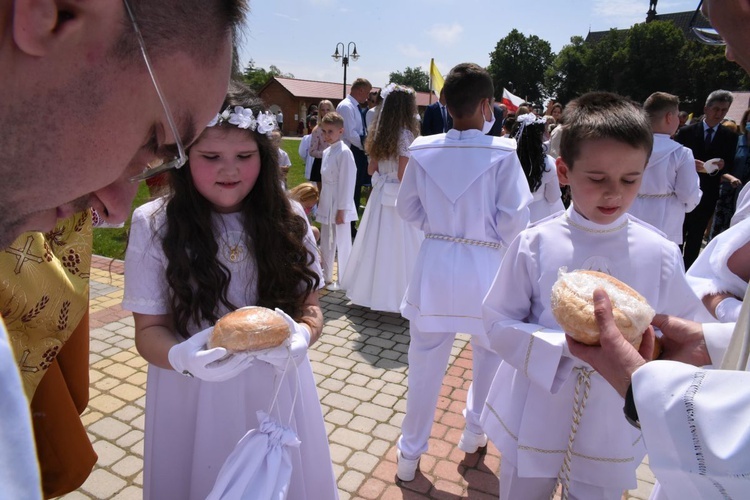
pixel 552 417
pixel 468 193
pixel 670 186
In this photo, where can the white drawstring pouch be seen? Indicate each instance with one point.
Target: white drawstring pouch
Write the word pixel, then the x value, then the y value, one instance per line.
pixel 260 466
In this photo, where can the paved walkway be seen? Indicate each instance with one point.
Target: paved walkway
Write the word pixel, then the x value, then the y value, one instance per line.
pixel 360 364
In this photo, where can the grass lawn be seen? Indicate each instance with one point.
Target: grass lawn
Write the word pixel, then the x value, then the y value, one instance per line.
pixel 111 242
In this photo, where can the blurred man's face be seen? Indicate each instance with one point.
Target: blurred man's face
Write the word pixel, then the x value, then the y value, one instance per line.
pixel 731 18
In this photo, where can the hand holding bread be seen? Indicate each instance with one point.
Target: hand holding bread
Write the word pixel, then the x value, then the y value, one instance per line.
pixel 573 306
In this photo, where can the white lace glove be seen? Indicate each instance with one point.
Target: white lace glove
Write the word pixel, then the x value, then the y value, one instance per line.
pixel 299 341
pixel 190 358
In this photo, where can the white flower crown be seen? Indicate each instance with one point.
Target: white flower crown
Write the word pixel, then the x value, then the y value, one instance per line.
pixel 395 87
pixel 264 123
pixel 528 119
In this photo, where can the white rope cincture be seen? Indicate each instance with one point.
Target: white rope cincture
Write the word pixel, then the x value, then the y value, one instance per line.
pixel 464 241
pixel 579 403
pixel 663 195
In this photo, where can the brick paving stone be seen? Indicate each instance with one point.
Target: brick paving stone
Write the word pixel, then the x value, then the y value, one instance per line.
pixel 128 466
pixel 332 384
pixel 363 462
pixel 103 484
pixel 108 453
pixel 346 437
pixel 106 383
pixel 351 480
pixel 357 392
pixel 378 447
pixel 130 438
pixel 339 453
pixel 109 428
pixel 341 374
pixel 387 432
pixel 361 424
pixel 130 493
pixel 372 489
pixel 127 392
pixel 106 403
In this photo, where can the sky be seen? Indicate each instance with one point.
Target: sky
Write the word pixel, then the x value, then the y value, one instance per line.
pixel 299 36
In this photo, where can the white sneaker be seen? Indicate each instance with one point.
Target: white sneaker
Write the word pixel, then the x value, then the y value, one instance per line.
pixel 471 442
pixel 406 468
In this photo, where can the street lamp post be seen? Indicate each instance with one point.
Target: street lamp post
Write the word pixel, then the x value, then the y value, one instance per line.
pixel 344 56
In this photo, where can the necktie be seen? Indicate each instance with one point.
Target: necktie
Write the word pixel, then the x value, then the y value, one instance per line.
pixel 445 118
pixel 709 134
pixel 363 114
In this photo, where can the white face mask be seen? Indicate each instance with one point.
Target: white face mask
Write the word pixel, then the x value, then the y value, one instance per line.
pixel 488 124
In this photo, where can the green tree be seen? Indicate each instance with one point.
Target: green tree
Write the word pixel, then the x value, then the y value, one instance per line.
pixel 568 76
pixel 606 61
pixel 415 78
pixel 256 77
pixel 652 61
pixel 707 69
pixel 518 63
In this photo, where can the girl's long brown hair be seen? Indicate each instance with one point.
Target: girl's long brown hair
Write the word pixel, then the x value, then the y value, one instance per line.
pixel 273 235
pixel 397 112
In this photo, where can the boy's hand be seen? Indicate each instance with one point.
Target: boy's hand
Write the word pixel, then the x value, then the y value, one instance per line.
pixel 339 216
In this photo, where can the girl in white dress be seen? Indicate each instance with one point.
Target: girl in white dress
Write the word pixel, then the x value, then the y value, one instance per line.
pixel 225 237
pixel 540 169
pixel 386 247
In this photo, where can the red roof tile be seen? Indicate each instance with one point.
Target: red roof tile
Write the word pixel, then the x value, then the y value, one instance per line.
pixel 312 89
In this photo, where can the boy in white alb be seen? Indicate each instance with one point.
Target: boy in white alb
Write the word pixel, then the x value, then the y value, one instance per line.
pixel 551 416
pixel 336 205
pixel 670 186
pixel 468 193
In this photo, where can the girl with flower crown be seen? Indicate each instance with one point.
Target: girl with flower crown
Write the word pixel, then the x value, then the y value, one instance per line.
pixel 386 247
pixel 225 237
pixel 540 169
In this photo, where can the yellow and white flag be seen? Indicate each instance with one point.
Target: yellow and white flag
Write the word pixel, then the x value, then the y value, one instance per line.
pixel 436 79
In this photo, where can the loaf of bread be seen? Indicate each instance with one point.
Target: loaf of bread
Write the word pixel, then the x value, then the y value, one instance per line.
pixel 249 329
pixel 573 306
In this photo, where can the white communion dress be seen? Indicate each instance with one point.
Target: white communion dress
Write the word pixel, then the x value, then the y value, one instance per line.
pixel 386 247
pixel 192 425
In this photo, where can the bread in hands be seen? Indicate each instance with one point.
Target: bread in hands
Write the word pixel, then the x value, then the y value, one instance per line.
pixel 249 329
pixel 573 306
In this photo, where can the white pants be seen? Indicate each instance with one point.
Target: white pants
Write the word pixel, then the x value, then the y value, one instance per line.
pixel 335 241
pixel 513 487
pixel 429 353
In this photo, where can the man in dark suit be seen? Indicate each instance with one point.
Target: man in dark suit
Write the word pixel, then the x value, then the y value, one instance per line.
pixel 436 118
pixel 707 139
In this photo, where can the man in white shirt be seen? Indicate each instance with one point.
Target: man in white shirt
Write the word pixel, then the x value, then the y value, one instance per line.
pixel 355 131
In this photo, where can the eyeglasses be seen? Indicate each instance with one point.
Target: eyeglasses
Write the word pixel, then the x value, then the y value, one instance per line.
pixel 157 167
pixel 708 35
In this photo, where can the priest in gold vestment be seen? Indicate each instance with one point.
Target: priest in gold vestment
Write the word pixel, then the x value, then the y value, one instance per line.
pixel 44 300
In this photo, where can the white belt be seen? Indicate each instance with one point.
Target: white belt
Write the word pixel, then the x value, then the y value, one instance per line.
pixel 465 241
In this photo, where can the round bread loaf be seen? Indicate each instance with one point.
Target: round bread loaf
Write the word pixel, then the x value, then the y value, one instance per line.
pixel 249 329
pixel 573 306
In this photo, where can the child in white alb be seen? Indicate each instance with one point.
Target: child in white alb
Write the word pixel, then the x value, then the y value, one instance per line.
pixel 670 186
pixel 336 206
pixel 467 192
pixel 552 417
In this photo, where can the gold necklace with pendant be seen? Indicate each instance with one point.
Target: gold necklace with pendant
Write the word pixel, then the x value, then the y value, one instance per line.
pixel 234 253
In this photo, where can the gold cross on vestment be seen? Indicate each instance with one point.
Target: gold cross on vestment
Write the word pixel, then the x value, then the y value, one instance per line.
pixel 24 255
